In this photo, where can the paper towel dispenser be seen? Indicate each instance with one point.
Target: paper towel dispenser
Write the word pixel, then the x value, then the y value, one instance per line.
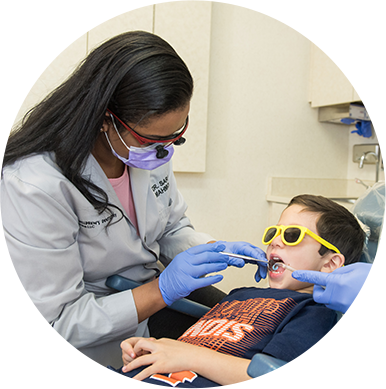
pixel 350 113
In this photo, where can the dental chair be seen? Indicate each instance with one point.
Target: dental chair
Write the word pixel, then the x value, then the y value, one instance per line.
pixel 369 209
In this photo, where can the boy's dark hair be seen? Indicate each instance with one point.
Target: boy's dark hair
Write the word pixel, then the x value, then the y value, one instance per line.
pixel 336 224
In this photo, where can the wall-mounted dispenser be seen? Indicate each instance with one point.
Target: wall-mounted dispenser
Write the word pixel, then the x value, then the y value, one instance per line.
pixel 350 113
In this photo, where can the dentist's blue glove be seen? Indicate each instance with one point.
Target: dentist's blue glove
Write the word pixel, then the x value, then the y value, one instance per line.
pixel 342 285
pixel 249 250
pixel 185 272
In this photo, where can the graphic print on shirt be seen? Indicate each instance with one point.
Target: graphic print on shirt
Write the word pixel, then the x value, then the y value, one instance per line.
pixel 233 327
pixel 173 379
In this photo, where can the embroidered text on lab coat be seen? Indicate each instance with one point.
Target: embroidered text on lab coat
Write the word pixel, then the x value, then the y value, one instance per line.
pixel 93 223
pixel 161 187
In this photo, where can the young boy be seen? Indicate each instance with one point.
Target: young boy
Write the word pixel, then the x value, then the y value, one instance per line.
pixel 313 233
pixel 283 321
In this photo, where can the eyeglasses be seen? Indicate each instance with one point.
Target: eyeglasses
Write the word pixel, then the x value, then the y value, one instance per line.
pixel 175 138
pixel 293 235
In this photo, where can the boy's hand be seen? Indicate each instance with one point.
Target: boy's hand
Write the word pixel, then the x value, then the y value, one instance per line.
pixel 163 356
pixel 127 347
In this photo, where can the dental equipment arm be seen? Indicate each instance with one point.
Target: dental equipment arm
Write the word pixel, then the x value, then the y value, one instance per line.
pixel 341 286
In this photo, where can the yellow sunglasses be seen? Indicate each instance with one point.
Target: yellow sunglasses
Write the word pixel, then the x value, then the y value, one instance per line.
pixel 293 235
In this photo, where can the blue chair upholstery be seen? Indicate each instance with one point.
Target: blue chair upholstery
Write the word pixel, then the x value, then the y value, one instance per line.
pixel 353 363
pixel 369 209
pixel 188 307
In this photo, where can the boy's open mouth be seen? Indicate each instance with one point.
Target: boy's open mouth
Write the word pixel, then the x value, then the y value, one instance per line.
pixel 272 264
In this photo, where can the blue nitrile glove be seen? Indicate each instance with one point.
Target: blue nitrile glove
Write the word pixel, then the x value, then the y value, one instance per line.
pixel 347 121
pixel 184 273
pixel 342 285
pixel 363 128
pixel 250 250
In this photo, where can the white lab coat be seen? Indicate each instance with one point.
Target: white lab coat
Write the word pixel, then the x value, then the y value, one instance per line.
pixel 63 253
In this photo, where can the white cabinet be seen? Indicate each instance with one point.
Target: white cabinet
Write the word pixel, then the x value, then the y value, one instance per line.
pixel 370 64
pixel 50 38
pixel 348 58
pixel 333 51
pixel 186 25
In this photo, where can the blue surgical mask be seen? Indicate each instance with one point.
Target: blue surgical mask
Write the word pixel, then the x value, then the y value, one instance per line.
pixel 143 157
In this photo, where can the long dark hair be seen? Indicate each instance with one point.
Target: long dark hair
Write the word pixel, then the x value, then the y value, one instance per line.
pixel 134 74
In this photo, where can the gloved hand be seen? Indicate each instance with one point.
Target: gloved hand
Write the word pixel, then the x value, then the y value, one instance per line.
pixel 250 250
pixel 182 275
pixel 342 285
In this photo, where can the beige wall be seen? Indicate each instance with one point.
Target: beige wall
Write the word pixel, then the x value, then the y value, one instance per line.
pixel 260 124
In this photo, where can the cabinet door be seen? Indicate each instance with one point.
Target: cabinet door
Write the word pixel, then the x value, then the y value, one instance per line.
pixel 186 26
pixel 370 74
pixel 50 38
pixel 5 66
pixel 138 19
pixel 333 51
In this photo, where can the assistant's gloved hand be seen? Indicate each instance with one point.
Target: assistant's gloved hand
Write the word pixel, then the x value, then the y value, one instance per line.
pixel 342 285
pixel 250 250
pixel 182 275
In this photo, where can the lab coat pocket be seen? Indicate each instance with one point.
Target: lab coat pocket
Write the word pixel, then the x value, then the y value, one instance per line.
pixel 163 218
pixel 164 214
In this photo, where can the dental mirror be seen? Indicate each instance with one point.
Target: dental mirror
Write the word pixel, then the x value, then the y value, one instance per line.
pixel 274 266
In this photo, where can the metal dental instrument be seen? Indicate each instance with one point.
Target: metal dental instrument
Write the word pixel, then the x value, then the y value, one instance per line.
pixel 272 265
pixel 251 259
pixel 275 266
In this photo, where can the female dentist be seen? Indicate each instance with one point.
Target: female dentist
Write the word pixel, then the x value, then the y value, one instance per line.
pixel 88 191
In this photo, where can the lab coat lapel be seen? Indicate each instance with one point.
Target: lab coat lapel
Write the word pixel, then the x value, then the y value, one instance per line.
pixel 139 181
